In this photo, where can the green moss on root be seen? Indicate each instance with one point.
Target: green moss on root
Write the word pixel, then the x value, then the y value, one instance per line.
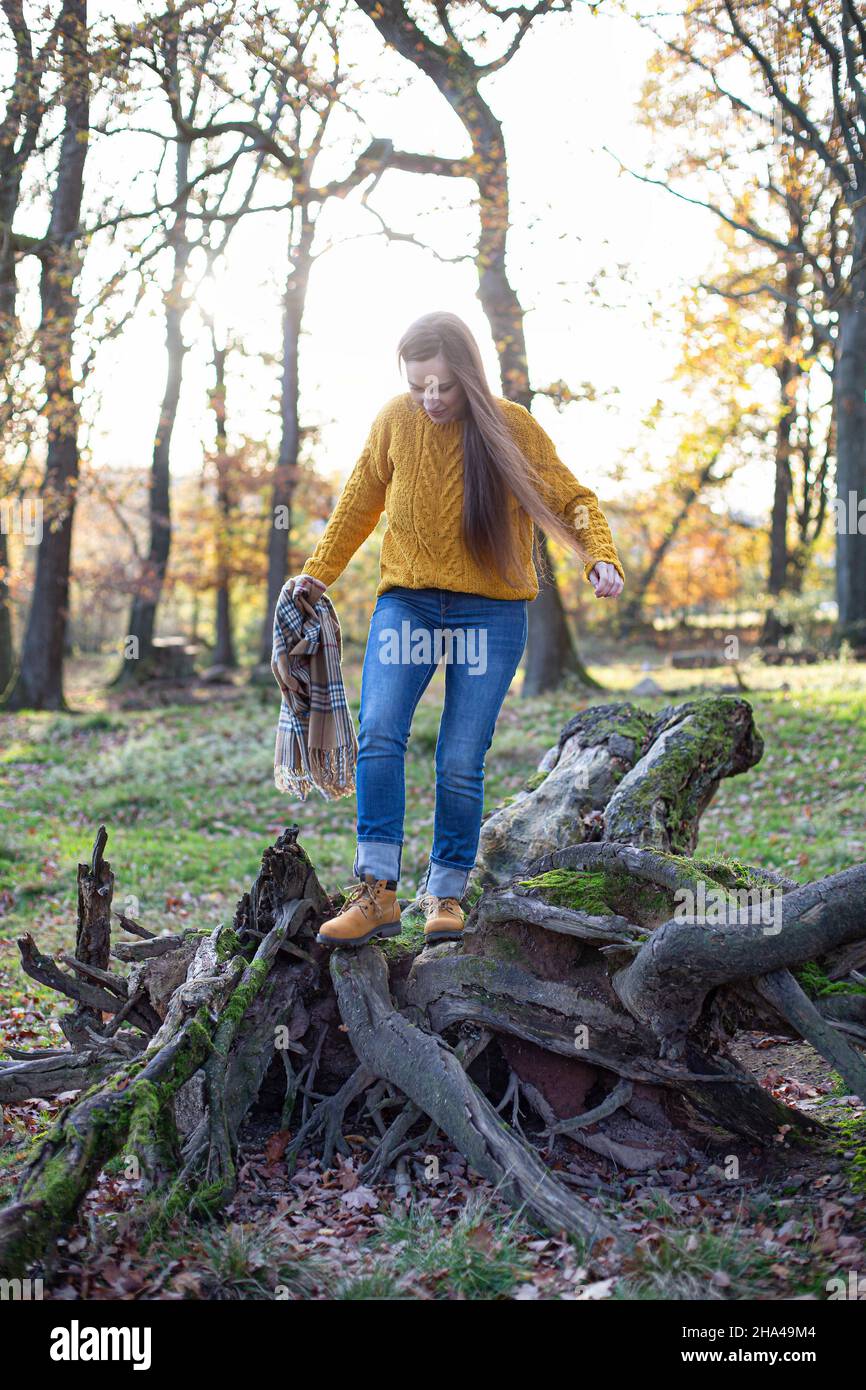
pixel 601 892
pixel 816 982
pixel 728 873
pixel 582 890
pixel 534 782
pixel 409 942
pixel 227 945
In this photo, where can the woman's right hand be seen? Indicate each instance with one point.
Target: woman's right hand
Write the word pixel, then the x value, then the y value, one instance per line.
pixel 311 588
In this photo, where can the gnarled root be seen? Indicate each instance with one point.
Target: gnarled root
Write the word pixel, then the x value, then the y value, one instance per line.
pixel 428 1071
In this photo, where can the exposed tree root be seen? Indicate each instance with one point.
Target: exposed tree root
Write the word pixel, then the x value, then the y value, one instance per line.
pixel 669 979
pixel 326 1121
pixel 52 1074
pixel 782 991
pixel 580 999
pixel 134 1106
pixel 430 1074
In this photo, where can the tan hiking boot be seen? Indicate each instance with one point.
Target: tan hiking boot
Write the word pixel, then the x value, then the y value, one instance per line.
pixel 371 909
pixel 445 919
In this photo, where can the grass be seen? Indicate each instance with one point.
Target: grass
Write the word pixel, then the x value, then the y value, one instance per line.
pixel 850 1133
pixel 478 1256
pixel 700 1264
pixel 721 1262
pixel 691 1265
pixel 371 1288
pixel 240 1261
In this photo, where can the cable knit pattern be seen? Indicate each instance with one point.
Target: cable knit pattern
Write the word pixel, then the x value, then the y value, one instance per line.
pixel 412 469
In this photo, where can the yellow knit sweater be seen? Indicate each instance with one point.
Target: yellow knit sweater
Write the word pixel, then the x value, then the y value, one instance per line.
pixel 412 469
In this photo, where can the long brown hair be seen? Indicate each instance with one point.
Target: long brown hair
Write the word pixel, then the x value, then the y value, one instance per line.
pixel 494 467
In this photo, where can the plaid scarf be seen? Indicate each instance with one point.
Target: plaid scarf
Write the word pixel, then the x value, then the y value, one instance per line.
pixel 316 743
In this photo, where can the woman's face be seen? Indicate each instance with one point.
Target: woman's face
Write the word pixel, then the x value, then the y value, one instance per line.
pixel 433 385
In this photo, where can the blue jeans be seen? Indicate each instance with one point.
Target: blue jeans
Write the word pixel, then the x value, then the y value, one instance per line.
pixel 481 641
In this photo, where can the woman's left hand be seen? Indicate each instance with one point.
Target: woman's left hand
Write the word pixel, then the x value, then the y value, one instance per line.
pixel 605 580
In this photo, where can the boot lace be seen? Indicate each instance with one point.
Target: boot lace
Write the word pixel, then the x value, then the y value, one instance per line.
pixel 353 891
pixel 450 904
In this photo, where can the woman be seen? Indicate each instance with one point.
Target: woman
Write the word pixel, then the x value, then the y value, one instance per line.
pixel 462 475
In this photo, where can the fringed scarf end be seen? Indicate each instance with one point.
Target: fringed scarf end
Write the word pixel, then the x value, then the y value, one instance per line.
pixel 334 770
pixel 288 779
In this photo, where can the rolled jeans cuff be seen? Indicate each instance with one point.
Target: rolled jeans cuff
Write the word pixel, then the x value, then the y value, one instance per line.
pixel 381 858
pixel 446 880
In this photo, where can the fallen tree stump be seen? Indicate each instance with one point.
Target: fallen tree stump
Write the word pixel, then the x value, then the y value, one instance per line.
pixel 604 971
pixel 620 773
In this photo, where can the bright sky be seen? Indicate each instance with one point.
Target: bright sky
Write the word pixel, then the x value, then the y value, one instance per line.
pixel 570 90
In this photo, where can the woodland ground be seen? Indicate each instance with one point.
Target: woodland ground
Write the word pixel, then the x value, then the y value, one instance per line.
pixel 186 792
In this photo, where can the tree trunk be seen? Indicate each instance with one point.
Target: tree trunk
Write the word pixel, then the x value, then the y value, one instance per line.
pixel 17 141
pixel 138 644
pixel 6 649
pixel 39 683
pixel 621 774
pixel 285 473
pixel 850 412
pixel 787 372
pixel 224 647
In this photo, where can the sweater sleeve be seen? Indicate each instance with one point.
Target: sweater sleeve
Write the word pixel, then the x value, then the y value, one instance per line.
pixel 358 508
pixel 576 504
